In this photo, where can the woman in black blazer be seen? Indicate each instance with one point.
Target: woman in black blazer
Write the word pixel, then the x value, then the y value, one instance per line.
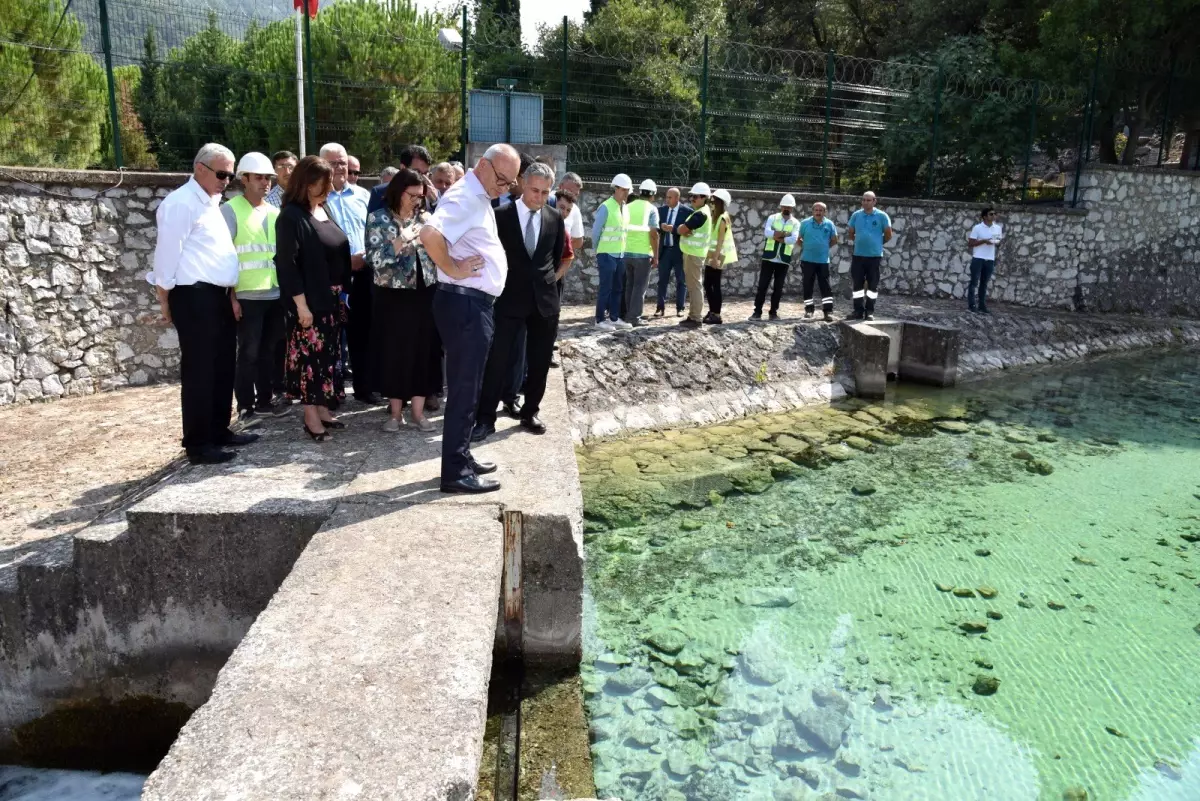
pixel 312 259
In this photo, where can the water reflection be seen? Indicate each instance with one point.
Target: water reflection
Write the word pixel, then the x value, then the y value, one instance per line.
pixel 969 594
pixel 30 784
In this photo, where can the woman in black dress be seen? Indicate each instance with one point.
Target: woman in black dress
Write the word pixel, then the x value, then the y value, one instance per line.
pixel 312 259
pixel 403 333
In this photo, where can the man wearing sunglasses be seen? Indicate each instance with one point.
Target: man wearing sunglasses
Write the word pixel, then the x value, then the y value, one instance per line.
pixel 195 266
pixel 353 170
pixel 462 239
pixel 348 206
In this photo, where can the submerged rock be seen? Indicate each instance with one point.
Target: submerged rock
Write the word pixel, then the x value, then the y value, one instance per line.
pixel 1056 606
pixel 1075 794
pixel 768 597
pixel 953 426
pixel 669 641
pixel 974 626
pixel 628 680
pixel 994 615
pixel 963 592
pixel 985 685
pixel 988 592
pixel 1039 466
pixel 1083 560
pixel 862 488
pixel 943 587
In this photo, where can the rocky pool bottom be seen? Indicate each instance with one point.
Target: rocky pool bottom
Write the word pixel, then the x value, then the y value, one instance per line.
pixel 983 593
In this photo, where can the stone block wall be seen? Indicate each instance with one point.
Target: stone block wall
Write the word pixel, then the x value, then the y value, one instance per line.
pixel 1131 247
pixel 79 315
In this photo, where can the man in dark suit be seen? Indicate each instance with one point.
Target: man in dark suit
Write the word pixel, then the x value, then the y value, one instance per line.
pixel 511 394
pixel 533 236
pixel 670 257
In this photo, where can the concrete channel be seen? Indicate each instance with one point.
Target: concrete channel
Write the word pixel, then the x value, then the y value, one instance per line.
pixel 332 615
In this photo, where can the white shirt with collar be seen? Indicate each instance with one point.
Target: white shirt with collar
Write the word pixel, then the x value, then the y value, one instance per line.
pixel 466 219
pixel 523 215
pixel 194 245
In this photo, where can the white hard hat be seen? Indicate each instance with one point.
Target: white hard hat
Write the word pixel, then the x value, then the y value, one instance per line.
pixel 723 194
pixel 788 201
pixel 648 186
pixel 700 188
pixel 622 181
pixel 255 164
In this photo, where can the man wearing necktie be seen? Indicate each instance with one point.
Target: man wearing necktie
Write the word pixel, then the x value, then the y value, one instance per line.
pixel 670 257
pixel 533 236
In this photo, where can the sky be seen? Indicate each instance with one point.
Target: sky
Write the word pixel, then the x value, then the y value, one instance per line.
pixel 533 12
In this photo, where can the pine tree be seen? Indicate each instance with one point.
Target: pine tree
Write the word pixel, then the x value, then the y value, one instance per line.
pixel 146 101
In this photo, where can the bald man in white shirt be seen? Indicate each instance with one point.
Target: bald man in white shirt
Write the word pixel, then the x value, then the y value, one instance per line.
pixel 462 240
pixel 195 265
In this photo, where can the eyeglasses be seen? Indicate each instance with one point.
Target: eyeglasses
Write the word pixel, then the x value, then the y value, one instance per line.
pixel 415 194
pixel 355 172
pixel 500 179
pixel 222 175
pixel 338 163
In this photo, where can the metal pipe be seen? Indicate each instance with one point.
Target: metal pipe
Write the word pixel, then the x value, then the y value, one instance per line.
pixel 106 43
pixel 1037 86
pixel 566 44
pixel 829 64
pixel 703 106
pixel 300 80
pixel 462 102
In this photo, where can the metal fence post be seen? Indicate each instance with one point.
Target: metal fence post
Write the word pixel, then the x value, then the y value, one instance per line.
pixel 703 106
pixel 1085 138
pixel 562 115
pixel 937 112
pixel 310 106
pixel 462 78
pixel 1037 86
pixel 829 64
pixel 106 43
pixel 1166 120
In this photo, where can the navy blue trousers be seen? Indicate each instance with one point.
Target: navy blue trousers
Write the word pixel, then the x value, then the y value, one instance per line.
pixel 466 325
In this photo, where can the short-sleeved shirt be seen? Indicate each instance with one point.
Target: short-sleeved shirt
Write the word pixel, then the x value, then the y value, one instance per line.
pixel 985 251
pixel 816 238
pixel 348 207
pixel 574 223
pixel 868 232
pixel 466 219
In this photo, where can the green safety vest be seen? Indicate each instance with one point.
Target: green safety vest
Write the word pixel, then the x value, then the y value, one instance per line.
pixel 255 245
pixel 729 252
pixel 777 224
pixel 637 241
pixel 616 223
pixel 696 243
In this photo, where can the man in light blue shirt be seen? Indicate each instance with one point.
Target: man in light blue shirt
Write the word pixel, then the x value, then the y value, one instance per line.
pixel 348 206
pixel 867 231
pixel 817 235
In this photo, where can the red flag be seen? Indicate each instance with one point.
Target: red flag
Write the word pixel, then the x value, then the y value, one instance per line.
pixel 312 6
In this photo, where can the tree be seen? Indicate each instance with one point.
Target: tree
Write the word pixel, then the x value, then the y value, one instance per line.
pixel 54 98
pixel 135 147
pixel 146 101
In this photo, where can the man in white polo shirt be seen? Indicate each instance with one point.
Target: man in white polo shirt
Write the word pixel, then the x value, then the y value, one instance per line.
pixel 982 241
pixel 461 239
pixel 195 265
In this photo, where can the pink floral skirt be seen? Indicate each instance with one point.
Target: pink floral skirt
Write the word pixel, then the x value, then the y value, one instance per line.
pixel 314 358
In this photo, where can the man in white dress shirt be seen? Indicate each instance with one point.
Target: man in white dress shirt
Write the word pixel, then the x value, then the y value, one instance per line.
pixel 462 240
pixel 195 264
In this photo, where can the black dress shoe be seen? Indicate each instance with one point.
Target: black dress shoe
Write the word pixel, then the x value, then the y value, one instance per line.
pixel 471 484
pixel 483 468
pixel 482 431
pixel 774 316
pixel 533 424
pixel 757 315
pixel 513 409
pixel 243 438
pixel 209 456
pixel 369 398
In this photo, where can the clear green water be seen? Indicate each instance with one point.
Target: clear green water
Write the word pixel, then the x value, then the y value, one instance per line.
pixel 789 640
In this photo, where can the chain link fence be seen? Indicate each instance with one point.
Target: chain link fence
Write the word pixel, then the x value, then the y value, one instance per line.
pixel 143 83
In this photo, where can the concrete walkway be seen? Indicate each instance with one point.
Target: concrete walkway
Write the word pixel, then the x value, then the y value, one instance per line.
pixel 366 677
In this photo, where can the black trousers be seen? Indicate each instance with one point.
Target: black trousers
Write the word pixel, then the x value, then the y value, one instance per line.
pixel 538 338
pixel 864 282
pixel 770 271
pixel 203 316
pixel 466 326
pixel 259 333
pixel 712 289
pixel 358 331
pixel 514 382
pixel 811 273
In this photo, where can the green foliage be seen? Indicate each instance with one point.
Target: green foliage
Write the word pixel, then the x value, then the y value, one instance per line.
pixel 52 97
pixel 135 146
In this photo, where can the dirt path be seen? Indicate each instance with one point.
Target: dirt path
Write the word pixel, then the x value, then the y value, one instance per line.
pixel 64 463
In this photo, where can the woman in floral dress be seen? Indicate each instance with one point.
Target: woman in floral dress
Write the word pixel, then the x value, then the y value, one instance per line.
pixel 312 259
pixel 403 333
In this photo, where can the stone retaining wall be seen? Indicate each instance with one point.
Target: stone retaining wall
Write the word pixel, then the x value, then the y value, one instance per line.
pixel 1132 247
pixel 79 316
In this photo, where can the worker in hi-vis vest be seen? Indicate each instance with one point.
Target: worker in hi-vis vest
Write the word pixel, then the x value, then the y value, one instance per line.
pixel 780 235
pixel 255 299
pixel 609 229
pixel 693 241
pixel 641 251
